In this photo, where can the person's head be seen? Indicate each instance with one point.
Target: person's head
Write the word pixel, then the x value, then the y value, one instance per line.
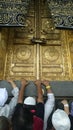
pixel 5 124
pixel 60 120
pixel 3 96
pixel 22 120
pixel 59 105
pixel 30 103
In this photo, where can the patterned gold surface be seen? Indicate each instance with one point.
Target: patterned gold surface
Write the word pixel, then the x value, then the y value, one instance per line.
pixel 70 52
pixel 3 44
pixel 61 12
pixel 13 13
pixel 22 58
pixel 22 63
pixel 54 60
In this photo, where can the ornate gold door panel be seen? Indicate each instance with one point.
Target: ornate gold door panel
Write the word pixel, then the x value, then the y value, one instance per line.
pixel 38 50
pixel 21 62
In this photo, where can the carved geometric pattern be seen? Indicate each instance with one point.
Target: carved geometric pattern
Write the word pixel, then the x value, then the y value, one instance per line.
pixel 13 13
pixel 22 54
pixel 53 63
pixel 46 60
pixel 24 32
pixel 61 12
pixel 22 62
pixel 48 30
pixel 51 54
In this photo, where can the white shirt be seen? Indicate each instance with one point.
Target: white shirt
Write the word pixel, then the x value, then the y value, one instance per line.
pixel 7 109
pixel 49 105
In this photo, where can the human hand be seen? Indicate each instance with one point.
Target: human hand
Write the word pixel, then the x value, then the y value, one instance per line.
pixel 66 106
pixel 37 83
pixel 11 82
pixel 24 82
pixel 64 101
pixel 45 82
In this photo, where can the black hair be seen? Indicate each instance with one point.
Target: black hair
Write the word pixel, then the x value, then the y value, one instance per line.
pixel 29 107
pixel 22 120
pixel 59 105
pixel 5 124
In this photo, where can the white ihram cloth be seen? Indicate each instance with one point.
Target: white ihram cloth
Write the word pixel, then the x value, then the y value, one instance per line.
pixel 49 105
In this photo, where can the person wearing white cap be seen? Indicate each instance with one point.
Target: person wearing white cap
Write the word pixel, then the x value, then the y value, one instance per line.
pixel 67 110
pixel 30 101
pixel 7 109
pixel 23 118
pixel 60 120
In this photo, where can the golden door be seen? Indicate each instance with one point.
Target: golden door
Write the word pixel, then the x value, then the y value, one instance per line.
pixel 38 50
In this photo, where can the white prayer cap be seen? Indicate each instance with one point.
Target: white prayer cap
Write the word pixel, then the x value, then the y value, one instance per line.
pixel 60 120
pixel 3 96
pixel 30 101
